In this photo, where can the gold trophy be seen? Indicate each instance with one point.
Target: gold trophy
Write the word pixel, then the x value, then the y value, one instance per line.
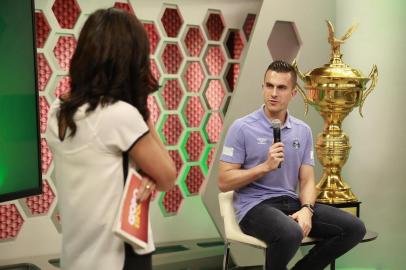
pixel 334 90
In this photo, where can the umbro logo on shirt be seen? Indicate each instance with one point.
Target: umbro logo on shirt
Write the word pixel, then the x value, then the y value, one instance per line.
pixel 262 141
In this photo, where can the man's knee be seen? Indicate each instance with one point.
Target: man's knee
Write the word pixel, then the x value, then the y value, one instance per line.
pixel 292 235
pixel 358 228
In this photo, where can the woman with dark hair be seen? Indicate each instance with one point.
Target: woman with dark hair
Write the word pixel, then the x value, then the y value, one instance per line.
pixel 94 130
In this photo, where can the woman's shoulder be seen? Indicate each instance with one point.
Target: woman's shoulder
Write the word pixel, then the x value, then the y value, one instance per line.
pixel 119 112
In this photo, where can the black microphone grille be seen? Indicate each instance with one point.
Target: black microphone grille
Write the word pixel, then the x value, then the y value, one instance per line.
pixel 276 123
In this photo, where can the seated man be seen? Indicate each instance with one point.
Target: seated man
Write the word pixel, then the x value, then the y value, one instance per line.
pixel 265 199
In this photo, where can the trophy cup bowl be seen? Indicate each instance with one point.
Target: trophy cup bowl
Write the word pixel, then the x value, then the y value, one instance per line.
pixel 334 90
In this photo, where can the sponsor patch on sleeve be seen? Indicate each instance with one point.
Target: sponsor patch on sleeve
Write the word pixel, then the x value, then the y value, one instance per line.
pixel 228 151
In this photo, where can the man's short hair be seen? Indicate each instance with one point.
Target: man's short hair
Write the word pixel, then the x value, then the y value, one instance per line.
pixel 283 67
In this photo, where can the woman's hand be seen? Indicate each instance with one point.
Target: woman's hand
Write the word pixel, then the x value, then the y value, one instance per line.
pixel 147 188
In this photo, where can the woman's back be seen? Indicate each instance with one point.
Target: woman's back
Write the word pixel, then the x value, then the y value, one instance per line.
pixel 89 180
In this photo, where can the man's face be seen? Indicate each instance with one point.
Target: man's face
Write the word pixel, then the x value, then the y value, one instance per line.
pixel 278 90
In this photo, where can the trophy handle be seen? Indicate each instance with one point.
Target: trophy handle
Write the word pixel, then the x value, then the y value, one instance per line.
pixel 305 100
pixel 298 88
pixel 298 72
pixel 374 76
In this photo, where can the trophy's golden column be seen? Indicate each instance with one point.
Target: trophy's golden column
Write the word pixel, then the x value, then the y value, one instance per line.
pixel 334 90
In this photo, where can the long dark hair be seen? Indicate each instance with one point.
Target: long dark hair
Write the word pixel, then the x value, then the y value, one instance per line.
pixel 111 63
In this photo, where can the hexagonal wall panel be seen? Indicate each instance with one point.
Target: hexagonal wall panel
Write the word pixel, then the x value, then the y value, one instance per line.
pixel 42 29
pixel 171 201
pixel 171 129
pixel 11 222
pixel 40 204
pixel 210 157
pixel 214 94
pixel 171 58
pixel 63 51
pixel 171 21
pixel 63 86
pixel 193 76
pixel 234 44
pixel 194 41
pixel 153 36
pixel 232 73
pixel 284 41
pixel 153 108
pixel 177 159
pixel 193 111
pixel 66 12
pixel 194 180
pixel 214 60
pixel 213 127
pixel 43 113
pixel 46 156
pixel 214 26
pixel 249 25
pixel 171 94
pixel 124 6
pixel 154 69
pixel 44 71
pixel 194 146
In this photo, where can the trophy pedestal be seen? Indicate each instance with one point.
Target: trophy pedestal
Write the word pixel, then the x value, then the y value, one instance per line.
pixel 350 207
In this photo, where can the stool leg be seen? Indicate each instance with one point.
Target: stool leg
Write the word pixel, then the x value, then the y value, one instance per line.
pixel 226 255
pixel 333 265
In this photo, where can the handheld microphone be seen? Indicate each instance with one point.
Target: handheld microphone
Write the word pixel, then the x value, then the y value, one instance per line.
pixel 276 126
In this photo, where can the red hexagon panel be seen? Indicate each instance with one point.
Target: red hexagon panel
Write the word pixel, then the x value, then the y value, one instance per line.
pixel 172 129
pixel 46 156
pixel 63 86
pixel 214 94
pixel 177 159
pixel 194 76
pixel 44 71
pixel 194 146
pixel 213 127
pixel 171 58
pixel 194 111
pixel 11 222
pixel 232 74
pixel 194 180
pixel 154 69
pixel 42 29
pixel 249 25
pixel 214 60
pixel 215 26
pixel 172 200
pixel 210 157
pixel 194 41
pixel 66 12
pixel 124 6
pixel 234 44
pixel 43 113
pixel 63 51
pixel 172 21
pixel 153 36
pixel 153 108
pixel 172 94
pixel 40 204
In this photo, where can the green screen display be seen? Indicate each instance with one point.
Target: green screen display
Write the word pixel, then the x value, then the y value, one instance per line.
pixel 20 173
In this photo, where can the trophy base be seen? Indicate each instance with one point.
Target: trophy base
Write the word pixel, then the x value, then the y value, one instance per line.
pixel 350 207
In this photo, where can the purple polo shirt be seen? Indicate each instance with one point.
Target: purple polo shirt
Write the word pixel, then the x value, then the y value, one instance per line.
pixel 247 143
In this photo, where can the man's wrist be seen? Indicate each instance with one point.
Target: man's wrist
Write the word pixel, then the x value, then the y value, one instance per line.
pixel 309 206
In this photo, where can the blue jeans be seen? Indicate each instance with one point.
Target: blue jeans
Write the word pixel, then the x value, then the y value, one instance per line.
pixel 269 221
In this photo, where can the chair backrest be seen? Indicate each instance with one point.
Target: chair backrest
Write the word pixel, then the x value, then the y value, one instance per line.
pixel 232 230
